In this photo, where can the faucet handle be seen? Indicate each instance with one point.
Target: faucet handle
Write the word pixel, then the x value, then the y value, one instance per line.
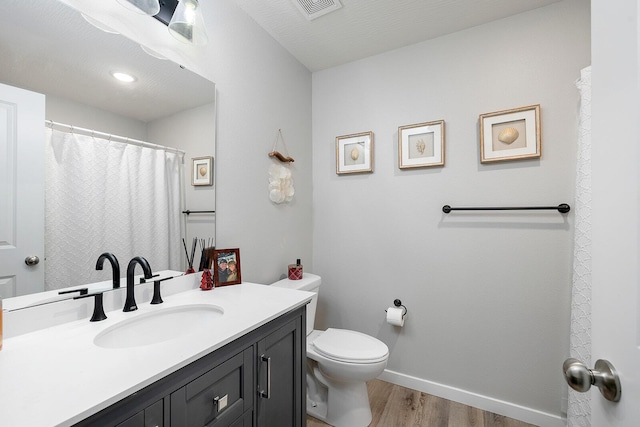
pixel 157 298
pixel 143 279
pixel 98 306
pixel 82 291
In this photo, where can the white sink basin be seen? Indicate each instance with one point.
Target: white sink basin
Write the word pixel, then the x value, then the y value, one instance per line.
pixel 162 325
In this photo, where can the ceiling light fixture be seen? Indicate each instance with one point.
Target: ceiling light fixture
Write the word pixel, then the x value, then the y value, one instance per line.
pixel 147 7
pixel 123 77
pixel 187 23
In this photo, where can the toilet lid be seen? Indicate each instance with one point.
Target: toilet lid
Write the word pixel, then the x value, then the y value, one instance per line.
pixel 350 346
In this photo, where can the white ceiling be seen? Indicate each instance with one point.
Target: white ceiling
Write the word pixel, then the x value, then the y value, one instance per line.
pixel 359 29
pixel 363 28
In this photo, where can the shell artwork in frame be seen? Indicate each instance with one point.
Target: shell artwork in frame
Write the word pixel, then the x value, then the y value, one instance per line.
pixel 421 145
pixel 354 153
pixel 202 171
pixel 510 134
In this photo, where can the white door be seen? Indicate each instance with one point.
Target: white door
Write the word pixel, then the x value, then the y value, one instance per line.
pixel 616 211
pixel 21 191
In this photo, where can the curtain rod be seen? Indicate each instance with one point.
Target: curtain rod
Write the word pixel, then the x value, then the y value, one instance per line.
pixel 110 137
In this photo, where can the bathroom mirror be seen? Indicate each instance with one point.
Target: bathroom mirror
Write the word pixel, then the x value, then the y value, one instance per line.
pixel 48 47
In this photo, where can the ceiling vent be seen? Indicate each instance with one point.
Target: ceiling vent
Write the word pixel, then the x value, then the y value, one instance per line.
pixel 312 9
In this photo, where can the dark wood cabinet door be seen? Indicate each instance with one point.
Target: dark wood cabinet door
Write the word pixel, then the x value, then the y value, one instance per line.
pixel 280 377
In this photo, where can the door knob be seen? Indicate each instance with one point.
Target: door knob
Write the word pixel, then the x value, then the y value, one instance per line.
pixel 603 376
pixel 31 260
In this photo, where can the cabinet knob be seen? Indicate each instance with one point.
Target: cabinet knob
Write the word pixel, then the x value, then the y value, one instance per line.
pixel 219 403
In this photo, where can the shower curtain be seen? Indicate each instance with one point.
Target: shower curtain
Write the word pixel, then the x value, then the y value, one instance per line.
pixel 107 196
pixel 579 408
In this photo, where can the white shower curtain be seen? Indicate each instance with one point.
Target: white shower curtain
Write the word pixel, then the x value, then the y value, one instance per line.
pixel 579 408
pixel 107 196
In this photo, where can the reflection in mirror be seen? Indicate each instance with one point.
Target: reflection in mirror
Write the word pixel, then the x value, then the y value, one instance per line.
pixel 51 49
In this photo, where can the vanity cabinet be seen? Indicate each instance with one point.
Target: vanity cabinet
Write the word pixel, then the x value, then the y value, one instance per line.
pixel 257 380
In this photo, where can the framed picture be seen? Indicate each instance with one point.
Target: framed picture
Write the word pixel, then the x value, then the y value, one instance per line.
pixel 354 153
pixel 510 134
pixel 202 170
pixel 421 145
pixel 227 270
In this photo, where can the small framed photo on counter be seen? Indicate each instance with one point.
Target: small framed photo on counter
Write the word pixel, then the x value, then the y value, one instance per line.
pixel 227 267
pixel 202 171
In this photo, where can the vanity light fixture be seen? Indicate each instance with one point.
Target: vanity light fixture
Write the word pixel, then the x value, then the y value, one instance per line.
pixel 183 17
pixel 187 23
pixel 146 7
pixel 123 77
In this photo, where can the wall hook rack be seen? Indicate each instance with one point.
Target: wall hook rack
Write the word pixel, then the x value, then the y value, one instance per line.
pixel 562 208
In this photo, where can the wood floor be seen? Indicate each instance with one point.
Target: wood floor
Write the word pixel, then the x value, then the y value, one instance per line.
pixel 396 406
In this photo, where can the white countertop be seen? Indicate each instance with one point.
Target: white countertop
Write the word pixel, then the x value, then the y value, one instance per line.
pixel 58 376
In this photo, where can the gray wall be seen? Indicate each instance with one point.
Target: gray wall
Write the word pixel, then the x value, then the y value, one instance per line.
pixel 488 294
pixel 261 88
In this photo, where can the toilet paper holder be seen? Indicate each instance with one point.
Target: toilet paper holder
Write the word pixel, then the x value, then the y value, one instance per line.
pixel 398 303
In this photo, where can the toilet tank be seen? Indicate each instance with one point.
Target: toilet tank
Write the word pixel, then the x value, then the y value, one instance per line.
pixel 310 283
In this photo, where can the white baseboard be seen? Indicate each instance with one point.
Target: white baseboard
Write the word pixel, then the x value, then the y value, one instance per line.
pixel 485 403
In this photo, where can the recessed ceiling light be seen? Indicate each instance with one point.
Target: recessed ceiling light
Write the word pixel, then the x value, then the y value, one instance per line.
pixel 123 77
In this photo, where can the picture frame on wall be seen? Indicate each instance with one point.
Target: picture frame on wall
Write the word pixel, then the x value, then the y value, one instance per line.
pixel 202 171
pixel 227 267
pixel 510 134
pixel 354 153
pixel 421 145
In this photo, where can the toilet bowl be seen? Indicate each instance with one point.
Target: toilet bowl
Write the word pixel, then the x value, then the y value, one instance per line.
pixel 339 363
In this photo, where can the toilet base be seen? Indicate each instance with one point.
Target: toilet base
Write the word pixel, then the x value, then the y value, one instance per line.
pixel 317 409
pixel 346 405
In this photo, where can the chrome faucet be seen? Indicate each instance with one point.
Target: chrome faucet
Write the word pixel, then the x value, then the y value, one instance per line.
pixel 115 267
pixel 130 303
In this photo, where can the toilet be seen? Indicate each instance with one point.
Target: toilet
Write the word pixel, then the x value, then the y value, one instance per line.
pixel 339 363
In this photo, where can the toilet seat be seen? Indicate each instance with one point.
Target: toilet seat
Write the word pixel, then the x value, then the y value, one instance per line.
pixel 350 346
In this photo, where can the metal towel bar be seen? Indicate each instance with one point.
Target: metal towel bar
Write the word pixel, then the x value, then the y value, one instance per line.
pixel 188 212
pixel 562 208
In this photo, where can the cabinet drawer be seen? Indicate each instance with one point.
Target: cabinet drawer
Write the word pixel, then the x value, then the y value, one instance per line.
pixel 218 397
